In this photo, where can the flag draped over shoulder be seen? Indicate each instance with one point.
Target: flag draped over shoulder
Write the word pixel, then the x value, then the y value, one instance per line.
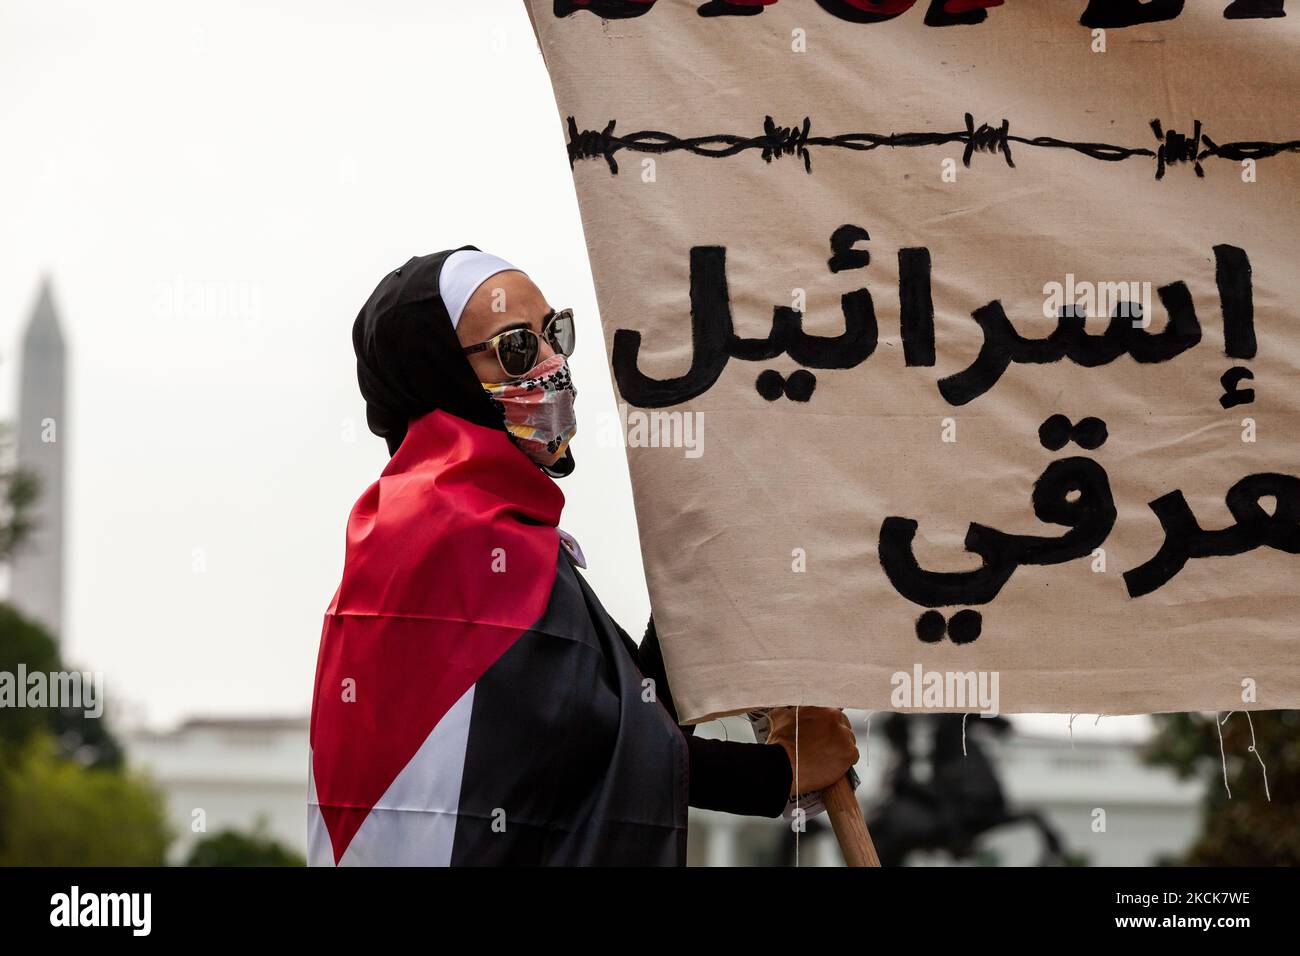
pixel 472 702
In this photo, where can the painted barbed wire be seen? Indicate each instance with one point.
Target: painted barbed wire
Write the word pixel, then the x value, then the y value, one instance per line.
pixel 776 141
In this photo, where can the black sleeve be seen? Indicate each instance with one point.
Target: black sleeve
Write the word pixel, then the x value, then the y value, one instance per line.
pixel 749 779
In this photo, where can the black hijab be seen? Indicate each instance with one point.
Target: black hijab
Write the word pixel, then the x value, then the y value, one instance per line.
pixel 409 361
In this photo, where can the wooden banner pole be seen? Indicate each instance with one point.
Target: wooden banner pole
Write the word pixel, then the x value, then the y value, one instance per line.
pixel 850 829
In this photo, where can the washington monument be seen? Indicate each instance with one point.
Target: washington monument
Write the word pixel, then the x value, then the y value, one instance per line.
pixel 37 578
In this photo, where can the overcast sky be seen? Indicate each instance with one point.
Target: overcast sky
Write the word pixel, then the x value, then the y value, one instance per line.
pixel 214 190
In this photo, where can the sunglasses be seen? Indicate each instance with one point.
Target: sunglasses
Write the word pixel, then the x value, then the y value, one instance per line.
pixel 517 349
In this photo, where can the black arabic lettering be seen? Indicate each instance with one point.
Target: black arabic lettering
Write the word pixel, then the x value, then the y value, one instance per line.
pixel 714 341
pixel 1253 528
pixel 939 13
pixel 1003 345
pixel 1073 492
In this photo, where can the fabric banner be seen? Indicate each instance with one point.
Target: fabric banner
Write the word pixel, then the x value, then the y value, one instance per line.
pixel 951 337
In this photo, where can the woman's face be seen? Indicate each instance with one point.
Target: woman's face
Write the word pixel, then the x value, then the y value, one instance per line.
pixel 507 300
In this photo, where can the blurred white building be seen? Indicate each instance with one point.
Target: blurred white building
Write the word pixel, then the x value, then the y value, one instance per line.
pixel 222 773
pixel 242 773
pixel 1148 813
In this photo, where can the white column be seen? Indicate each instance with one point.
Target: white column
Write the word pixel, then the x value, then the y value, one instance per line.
pixel 721 843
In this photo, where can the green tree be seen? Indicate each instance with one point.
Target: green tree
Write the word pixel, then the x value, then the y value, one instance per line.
pixel 1247 829
pixel 23 642
pixel 60 813
pixel 65 799
pixel 232 848
pixel 19 489
pixel 87 740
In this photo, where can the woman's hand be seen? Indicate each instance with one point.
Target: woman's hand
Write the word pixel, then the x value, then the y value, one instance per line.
pixel 827 747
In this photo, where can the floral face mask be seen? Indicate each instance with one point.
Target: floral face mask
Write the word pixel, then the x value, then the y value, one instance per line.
pixel 538 409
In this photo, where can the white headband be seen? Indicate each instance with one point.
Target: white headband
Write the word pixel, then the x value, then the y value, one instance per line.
pixel 462 273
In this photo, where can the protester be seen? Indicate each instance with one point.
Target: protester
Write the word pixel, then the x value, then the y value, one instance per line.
pixel 474 702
